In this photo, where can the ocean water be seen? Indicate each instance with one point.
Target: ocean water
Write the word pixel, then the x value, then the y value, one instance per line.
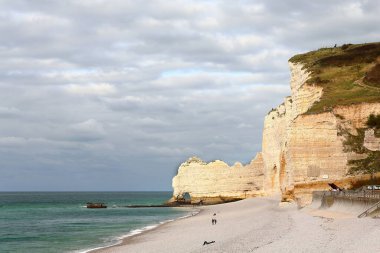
pixel 59 221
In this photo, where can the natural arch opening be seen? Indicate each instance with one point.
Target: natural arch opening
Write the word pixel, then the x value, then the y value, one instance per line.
pixel 186 197
pixel 183 198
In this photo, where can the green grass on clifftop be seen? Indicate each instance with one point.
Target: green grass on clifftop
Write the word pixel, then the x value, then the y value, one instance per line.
pixel 349 74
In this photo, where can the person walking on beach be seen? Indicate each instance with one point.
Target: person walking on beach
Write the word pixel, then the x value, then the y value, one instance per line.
pixel 214 220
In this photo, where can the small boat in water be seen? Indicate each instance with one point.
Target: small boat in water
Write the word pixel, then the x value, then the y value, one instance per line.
pixel 96 205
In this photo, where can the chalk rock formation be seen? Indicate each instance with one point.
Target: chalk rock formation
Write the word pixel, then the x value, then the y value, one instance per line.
pixel 371 141
pixel 286 133
pixel 301 151
pixel 305 148
pixel 216 182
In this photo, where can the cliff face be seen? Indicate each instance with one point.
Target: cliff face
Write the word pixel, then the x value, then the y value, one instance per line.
pixel 305 148
pixel 286 133
pixel 308 141
pixel 216 181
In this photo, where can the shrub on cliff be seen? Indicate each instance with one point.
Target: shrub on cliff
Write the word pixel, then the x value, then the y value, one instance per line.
pixel 370 164
pixel 372 77
pixel 354 143
pixel 346 46
pixel 373 121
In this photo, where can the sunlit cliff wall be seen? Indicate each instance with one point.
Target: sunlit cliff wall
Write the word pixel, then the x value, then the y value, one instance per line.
pixel 298 148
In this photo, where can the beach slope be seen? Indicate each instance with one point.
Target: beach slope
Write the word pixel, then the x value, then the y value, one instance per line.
pixel 258 225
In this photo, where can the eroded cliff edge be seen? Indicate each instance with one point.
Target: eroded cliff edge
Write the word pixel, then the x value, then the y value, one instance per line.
pixel 314 137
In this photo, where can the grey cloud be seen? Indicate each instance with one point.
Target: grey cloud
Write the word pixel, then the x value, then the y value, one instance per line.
pixel 89 130
pixel 6 112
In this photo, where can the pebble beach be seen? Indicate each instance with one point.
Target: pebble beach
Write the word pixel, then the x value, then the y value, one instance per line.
pixel 258 225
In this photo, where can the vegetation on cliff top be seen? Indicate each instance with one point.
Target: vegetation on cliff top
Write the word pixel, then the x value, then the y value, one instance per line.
pixel 349 74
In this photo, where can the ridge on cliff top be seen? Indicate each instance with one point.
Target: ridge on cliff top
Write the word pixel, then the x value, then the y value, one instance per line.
pixel 193 159
pixel 197 160
pixel 349 74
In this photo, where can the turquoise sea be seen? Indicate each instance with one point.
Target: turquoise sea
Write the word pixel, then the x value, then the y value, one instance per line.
pixel 59 221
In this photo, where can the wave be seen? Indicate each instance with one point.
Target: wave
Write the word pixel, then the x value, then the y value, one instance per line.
pixel 118 240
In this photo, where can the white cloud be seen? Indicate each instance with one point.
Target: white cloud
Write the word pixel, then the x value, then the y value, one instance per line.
pixel 36 18
pixel 89 130
pixel 100 89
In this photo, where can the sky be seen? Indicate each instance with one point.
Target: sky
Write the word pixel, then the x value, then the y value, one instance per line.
pixel 115 94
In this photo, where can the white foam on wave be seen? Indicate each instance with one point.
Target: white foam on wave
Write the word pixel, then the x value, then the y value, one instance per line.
pixel 138 231
pixel 134 232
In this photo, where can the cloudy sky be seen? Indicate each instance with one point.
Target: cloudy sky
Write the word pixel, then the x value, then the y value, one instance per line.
pixel 115 94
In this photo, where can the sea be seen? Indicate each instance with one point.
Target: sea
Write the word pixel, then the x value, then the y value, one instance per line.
pixel 60 222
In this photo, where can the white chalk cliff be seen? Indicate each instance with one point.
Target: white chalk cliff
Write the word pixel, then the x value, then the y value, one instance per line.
pixel 297 148
pixel 303 148
pixel 218 182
